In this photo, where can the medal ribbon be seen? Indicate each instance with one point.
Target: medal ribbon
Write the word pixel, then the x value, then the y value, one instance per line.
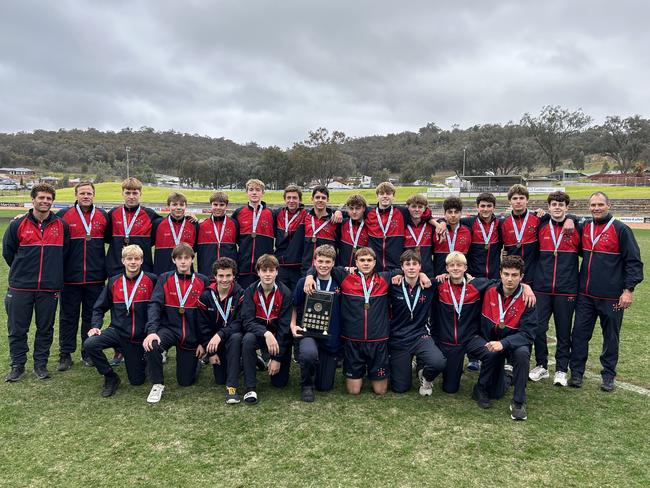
pixel 127 228
pixel 320 227
pixel 458 305
pixel 128 299
pixel 502 312
pixel 519 233
pixel 355 237
pixel 267 311
pixel 410 306
pixel 488 237
pixel 417 239
pixel 88 226
pixel 591 229
pixel 384 230
pixel 366 290
pixel 219 235
pixel 176 237
pixel 224 315
pixel 451 243
pixel 183 299
pixel 287 222
pixel 257 213
pixel 556 240
pixel 327 288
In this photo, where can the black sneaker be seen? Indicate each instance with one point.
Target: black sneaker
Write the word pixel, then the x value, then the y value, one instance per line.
pixel 111 382
pixel 232 397
pixel 481 397
pixel 17 373
pixel 261 364
pixel 518 411
pixel 575 381
pixel 117 359
pixel 41 372
pixel 607 384
pixel 250 398
pixel 65 362
pixel 307 394
pixel 86 361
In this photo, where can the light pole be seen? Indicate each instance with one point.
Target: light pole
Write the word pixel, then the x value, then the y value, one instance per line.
pixel 127 149
pixel 464 159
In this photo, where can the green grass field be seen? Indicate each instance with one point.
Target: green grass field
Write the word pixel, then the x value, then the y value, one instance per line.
pixel 60 432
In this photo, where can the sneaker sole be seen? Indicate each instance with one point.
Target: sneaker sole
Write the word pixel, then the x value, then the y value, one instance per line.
pixel 44 377
pixel 15 380
pixel 543 377
pixel 426 392
pixel 232 401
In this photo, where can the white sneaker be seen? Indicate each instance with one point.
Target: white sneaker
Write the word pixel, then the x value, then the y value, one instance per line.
pixel 426 387
pixel 560 378
pixel 164 357
pixel 508 368
pixel 156 393
pixel 538 373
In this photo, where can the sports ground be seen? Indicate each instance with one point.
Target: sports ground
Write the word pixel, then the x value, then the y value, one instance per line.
pixel 60 432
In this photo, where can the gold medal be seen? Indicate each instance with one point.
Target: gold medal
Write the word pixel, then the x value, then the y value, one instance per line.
pixel 518 245
pixel 128 312
pixel 286 234
pixel 487 246
pixel 88 237
pixel 181 310
pixel 126 241
pixel 555 253
pixel 313 239
pixel 253 235
pixel 366 306
pixel 502 325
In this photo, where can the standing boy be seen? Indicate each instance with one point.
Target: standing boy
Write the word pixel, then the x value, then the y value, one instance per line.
pixel 320 226
pixel 354 233
pixel 419 234
pixel 217 236
pixel 457 238
pixel 169 232
pixel 290 236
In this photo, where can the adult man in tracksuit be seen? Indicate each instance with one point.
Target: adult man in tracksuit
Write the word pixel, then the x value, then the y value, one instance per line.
pixel 556 288
pixel 34 246
pixel 611 269
pixel 127 297
pixel 289 236
pixel 85 270
pixel 410 312
pixel 173 321
pixel 509 326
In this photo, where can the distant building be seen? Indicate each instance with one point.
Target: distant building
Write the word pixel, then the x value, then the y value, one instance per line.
pixel 566 174
pixel 17 171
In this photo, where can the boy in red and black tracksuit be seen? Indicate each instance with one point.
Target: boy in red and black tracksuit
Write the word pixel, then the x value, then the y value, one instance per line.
pixel 353 233
pixel 556 287
pixel 173 321
pixel 509 326
pixel 256 232
pixel 130 224
pixel 127 297
pixel 410 336
pixel 34 246
pixel 84 272
pixel 217 237
pixel 457 238
pixel 419 234
pixel 170 231
pixel 611 269
pixel 220 324
pixel 290 236
pixel 320 226
pixel 484 253
pixel 266 319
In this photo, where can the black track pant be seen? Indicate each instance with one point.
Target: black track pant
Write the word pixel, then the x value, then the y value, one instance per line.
pixel 561 307
pixel 492 377
pixel 250 343
pixel 20 306
pixel 76 301
pixel 317 365
pixel 429 358
pixel 455 355
pixel 133 354
pixel 186 359
pixel 229 352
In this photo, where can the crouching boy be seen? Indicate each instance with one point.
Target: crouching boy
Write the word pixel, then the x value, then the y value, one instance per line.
pixel 173 321
pixel 265 316
pixel 219 310
pixel 127 297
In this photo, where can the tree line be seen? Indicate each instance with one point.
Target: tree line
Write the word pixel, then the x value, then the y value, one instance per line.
pixel 548 139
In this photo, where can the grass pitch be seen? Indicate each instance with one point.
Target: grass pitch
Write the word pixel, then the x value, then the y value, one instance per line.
pixel 60 432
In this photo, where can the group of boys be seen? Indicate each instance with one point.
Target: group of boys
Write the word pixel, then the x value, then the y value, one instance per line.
pixel 407 288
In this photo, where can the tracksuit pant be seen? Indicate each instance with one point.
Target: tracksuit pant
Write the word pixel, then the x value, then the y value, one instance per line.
pixel 186 359
pixel 429 358
pixel 133 354
pixel 20 306
pixel 229 352
pixel 588 310
pixel 76 300
pixel 492 377
pixel 317 365
pixel 250 343
pixel 455 354
pixel 561 307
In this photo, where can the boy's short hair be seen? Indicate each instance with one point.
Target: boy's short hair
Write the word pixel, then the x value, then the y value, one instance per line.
pixel 224 263
pixel 365 251
pixel 84 183
pixel 267 261
pixel 183 249
pixel 385 187
pixel 255 182
pixel 132 250
pixel 486 197
pixel 417 199
pixel 512 262
pixel 131 184
pixel 456 257
pixel 452 203
pixel 356 200
pixel 43 188
pixel 320 189
pixel 219 197
pixel 518 189
pixel 293 189
pixel 326 251
pixel 558 196
pixel 176 197
pixel 410 255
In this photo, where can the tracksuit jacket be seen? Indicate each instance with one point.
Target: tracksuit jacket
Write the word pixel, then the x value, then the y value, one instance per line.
pixel 529 248
pixel 614 264
pixel 289 245
pixel 164 241
pixel 36 252
pixel 404 331
pixel 426 244
pixel 131 326
pixel 86 260
pixel 141 234
pixel 482 262
pixel 520 321
pixel 557 274
pixel 251 248
pixel 209 249
pixel 254 320
pixel 210 320
pixel 164 308
pixel 345 245
pixel 327 235
pixel 441 249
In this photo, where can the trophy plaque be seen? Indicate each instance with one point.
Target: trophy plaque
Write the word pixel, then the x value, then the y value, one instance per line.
pixel 317 314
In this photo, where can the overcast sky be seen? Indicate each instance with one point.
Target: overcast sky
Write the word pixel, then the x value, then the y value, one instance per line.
pixel 269 71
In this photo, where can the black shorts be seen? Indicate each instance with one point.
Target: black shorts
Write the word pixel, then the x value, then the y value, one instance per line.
pixel 366 357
